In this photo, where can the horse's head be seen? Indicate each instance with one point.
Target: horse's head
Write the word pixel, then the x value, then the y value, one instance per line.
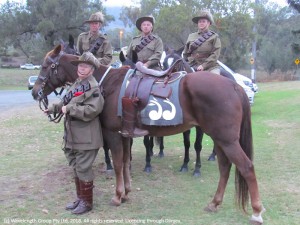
pixel 56 71
pixel 172 56
pixel 129 61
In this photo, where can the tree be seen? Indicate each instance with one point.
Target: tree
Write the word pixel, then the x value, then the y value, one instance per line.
pixel 45 21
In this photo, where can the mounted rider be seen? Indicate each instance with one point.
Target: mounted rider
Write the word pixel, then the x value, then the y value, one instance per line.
pixel 149 48
pixel 94 41
pixel 202 48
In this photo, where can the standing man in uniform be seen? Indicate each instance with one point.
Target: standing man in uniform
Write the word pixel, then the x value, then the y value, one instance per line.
pixel 94 41
pixel 202 49
pixel 81 106
pixel 149 48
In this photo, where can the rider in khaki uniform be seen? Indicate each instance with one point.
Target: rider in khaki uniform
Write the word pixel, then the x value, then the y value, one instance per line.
pixel 149 48
pixel 82 105
pixel 202 49
pixel 94 41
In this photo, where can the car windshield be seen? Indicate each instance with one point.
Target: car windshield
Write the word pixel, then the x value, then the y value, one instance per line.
pixel 225 67
pixel 33 79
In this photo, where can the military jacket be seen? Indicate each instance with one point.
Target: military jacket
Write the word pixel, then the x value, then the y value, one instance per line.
pixel 206 54
pixel 150 54
pixel 86 41
pixel 82 124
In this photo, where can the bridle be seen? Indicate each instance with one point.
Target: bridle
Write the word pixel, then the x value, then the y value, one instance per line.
pixel 43 100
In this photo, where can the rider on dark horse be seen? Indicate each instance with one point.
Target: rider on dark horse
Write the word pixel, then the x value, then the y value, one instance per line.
pixel 149 48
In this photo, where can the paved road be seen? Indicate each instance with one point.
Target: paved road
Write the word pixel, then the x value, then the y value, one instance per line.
pixel 10 99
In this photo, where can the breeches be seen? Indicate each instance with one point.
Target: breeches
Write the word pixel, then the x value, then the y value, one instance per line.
pixel 81 161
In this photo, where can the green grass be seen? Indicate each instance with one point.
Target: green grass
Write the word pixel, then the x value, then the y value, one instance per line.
pixel 15 79
pixel 36 180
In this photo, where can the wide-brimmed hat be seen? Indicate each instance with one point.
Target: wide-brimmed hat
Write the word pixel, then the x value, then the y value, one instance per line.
pixel 96 17
pixel 204 14
pixel 140 20
pixel 88 58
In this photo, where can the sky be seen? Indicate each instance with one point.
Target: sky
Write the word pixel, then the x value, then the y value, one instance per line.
pixel 130 2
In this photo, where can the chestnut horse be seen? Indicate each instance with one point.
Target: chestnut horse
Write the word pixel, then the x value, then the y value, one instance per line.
pixel 216 104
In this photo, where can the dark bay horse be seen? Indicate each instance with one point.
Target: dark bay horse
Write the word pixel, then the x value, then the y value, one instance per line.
pixel 214 103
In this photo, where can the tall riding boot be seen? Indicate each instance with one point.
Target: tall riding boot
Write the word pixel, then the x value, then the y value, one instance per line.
pixel 73 205
pixel 129 119
pixel 86 198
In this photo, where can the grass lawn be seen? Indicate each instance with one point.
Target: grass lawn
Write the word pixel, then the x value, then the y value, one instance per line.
pixel 36 181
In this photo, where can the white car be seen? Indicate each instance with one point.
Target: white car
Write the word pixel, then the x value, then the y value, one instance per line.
pixel 30 66
pixel 31 82
pixel 243 81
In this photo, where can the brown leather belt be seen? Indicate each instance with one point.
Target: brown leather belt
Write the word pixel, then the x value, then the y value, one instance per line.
pixel 200 56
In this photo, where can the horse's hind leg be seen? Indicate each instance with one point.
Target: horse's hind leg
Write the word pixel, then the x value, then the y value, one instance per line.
pixel 161 146
pixel 198 148
pixel 107 158
pixel 224 170
pixel 147 144
pixel 187 143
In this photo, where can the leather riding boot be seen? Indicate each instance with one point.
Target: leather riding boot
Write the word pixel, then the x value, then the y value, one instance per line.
pixel 74 204
pixel 86 198
pixel 129 115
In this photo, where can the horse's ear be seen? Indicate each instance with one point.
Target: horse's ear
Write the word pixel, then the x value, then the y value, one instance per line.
pixel 122 56
pixel 134 57
pixel 71 40
pixel 57 49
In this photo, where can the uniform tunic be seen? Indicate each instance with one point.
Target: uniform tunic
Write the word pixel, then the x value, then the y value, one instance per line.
pixel 150 54
pixel 206 54
pixel 86 41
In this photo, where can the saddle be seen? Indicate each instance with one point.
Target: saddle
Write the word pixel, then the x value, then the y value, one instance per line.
pixel 146 82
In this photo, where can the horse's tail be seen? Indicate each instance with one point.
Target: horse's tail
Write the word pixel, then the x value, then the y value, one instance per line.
pixel 241 187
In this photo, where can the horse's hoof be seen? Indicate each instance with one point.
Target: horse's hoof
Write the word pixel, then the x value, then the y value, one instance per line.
pixel 109 167
pixel 211 158
pixel 184 169
pixel 211 208
pixel 124 199
pixel 115 202
pixel 257 219
pixel 196 174
pixel 148 169
pixel 161 155
pixel 109 174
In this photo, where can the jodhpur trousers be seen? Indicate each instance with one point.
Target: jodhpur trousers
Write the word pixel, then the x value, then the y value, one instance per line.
pixel 81 161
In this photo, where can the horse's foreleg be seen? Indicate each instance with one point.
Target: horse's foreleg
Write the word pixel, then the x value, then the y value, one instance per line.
pixel 224 170
pixel 148 167
pixel 186 141
pixel 126 168
pixel 114 142
pixel 198 148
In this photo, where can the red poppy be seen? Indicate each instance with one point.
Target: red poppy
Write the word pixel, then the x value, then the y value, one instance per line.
pixel 78 93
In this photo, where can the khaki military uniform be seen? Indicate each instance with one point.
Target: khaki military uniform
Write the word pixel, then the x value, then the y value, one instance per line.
pixel 150 54
pixel 83 133
pixel 86 41
pixel 206 54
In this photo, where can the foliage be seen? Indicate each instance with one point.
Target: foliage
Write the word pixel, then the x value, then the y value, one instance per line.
pixel 36 27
